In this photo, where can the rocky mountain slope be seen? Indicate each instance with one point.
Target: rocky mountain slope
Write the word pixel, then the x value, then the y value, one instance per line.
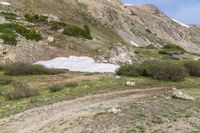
pixel 111 24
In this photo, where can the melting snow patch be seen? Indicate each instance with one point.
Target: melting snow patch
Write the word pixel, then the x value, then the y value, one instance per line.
pixel 135 44
pixel 129 4
pixel 79 64
pixel 180 23
pixel 5 3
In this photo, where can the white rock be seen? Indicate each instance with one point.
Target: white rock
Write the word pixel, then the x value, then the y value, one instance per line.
pixel 53 18
pixel 51 39
pixel 130 83
pixel 179 94
pixel 114 110
pixel 61 30
pixel 117 77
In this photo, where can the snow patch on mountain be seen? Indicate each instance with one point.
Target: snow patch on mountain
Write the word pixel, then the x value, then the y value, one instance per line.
pixel 79 64
pixel 182 24
pixel 5 3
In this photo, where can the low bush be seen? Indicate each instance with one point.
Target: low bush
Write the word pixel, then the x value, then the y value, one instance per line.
pixel 72 30
pixel 29 69
pixel 149 31
pixel 9 38
pixel 57 25
pixel 129 70
pixel 173 47
pixel 5 80
pixel 193 68
pixel 35 18
pixel 155 69
pixel 165 71
pixel 20 90
pixel 55 88
pixel 151 46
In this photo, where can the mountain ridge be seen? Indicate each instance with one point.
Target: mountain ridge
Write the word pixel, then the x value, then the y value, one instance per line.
pixel 111 22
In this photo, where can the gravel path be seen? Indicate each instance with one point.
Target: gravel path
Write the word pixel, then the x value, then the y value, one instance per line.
pixel 61 117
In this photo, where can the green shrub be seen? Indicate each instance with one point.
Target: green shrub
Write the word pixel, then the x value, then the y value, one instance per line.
pixel 35 18
pixel 9 37
pixel 29 69
pixel 20 90
pixel 72 30
pixel 27 33
pixel 151 46
pixel 9 15
pixel 193 68
pixel 7 33
pixel 165 71
pixel 55 88
pixel 57 25
pixel 129 70
pixel 5 80
pixel 87 32
pixel 174 47
pixel 155 69
pixel 149 31
pixel 171 49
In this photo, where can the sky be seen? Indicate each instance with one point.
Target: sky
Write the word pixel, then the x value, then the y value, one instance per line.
pixel 186 11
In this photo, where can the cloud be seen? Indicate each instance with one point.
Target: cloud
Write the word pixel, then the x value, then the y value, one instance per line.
pixel 186 11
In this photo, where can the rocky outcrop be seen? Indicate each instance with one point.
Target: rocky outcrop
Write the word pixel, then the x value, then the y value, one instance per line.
pixel 118 55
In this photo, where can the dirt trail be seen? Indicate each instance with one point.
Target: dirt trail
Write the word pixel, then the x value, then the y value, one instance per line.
pixel 61 117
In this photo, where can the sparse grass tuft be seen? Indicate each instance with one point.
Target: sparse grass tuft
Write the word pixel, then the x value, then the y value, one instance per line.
pixel 55 88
